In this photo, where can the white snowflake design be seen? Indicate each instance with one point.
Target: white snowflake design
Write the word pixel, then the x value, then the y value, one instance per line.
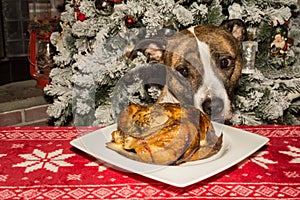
pixel 259 160
pixel 294 152
pixel 75 177
pixel 50 161
pixel 98 164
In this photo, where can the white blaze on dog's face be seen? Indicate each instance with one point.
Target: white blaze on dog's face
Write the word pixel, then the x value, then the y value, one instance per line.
pixel 212 90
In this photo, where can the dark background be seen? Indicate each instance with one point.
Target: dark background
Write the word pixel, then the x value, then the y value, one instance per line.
pixel 14 37
pixel 15 16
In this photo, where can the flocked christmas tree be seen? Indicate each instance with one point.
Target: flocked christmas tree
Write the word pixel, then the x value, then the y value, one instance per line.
pixel 97 34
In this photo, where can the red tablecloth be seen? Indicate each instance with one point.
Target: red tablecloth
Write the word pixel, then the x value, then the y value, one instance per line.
pixel 39 163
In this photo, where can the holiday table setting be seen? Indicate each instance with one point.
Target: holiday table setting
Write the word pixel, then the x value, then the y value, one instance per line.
pixel 40 163
pixel 94 51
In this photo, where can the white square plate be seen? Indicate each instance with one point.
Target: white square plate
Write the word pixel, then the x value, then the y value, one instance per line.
pixel 237 145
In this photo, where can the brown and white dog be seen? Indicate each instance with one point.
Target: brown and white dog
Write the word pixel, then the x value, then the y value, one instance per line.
pixel 203 65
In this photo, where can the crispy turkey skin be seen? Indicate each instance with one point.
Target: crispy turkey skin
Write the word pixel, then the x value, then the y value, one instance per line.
pixel 164 134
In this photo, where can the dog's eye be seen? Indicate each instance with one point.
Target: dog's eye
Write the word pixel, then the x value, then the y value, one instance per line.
pixel 225 63
pixel 184 71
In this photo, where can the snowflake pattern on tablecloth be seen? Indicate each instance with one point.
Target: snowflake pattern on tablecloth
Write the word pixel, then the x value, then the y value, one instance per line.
pixel 98 164
pixel 41 160
pixel 270 173
pixel 73 177
pixel 294 152
pixel 259 159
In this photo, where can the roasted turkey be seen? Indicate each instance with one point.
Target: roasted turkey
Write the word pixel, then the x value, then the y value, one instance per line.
pixel 164 134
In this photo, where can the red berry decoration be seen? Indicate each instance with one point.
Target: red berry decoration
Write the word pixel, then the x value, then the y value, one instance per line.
pixel 80 16
pixel 130 21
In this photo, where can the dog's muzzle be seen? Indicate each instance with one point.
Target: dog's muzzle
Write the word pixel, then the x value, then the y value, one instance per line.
pixel 215 108
pixel 214 102
pixel 217 104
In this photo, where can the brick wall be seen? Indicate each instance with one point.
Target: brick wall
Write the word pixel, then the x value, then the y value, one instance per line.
pixel 33 116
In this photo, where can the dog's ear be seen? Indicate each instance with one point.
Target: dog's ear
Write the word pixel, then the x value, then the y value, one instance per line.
pixel 152 48
pixel 237 27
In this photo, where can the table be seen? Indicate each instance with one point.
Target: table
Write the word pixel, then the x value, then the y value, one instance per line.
pixel 40 163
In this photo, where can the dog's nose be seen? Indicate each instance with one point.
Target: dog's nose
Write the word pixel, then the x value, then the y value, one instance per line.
pixel 214 106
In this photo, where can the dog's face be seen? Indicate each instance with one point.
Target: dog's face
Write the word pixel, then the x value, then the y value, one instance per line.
pixel 208 58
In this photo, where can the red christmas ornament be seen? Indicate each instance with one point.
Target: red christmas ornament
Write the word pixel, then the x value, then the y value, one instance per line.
pixel 80 16
pixel 130 21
